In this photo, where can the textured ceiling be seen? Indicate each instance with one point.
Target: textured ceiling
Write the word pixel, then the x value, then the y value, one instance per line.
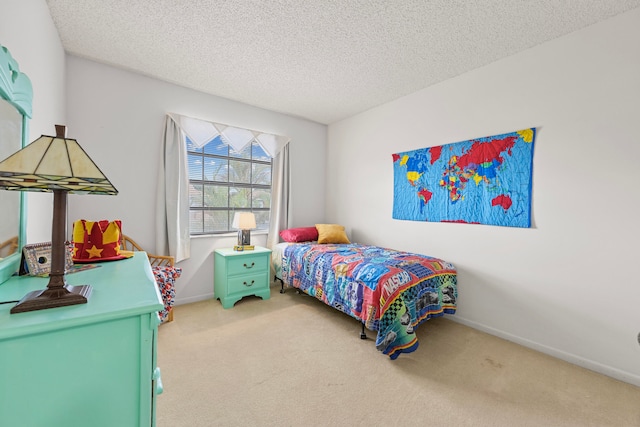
pixel 323 60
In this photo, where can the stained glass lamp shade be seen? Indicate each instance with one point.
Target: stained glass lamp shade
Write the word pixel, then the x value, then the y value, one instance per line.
pixel 59 165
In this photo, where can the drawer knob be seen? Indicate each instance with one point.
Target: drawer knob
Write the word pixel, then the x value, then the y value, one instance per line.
pixel 249 284
pixel 249 266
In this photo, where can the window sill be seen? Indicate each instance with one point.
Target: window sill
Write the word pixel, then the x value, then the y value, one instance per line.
pixel 227 235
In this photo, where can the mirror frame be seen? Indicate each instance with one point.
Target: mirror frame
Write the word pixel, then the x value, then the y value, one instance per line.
pixel 15 87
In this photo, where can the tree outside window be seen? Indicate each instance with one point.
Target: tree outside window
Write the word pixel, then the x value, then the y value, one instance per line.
pixel 223 181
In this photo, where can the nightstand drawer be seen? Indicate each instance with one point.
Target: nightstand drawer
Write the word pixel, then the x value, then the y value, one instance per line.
pixel 247 283
pixel 247 265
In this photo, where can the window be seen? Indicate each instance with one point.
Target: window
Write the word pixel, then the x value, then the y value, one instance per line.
pixel 223 181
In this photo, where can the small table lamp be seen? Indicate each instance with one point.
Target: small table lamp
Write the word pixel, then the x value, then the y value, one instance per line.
pixel 58 165
pixel 244 222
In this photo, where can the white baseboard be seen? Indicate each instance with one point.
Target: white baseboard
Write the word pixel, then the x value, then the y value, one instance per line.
pixel 554 352
pixel 180 301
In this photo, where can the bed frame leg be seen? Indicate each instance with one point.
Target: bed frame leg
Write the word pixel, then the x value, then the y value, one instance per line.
pixel 281 283
pixel 363 336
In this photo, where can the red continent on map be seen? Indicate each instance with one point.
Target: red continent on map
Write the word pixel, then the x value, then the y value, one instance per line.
pixel 435 153
pixel 425 195
pixel 502 200
pixel 482 152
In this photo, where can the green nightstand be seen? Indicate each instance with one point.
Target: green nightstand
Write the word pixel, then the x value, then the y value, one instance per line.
pixel 238 274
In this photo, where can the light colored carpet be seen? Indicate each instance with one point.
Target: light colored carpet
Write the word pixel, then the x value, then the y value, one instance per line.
pixel 292 361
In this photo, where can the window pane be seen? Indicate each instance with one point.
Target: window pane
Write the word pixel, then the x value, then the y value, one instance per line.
pixel 258 153
pixel 231 215
pixel 244 154
pixel 239 172
pixel 262 220
pixel 261 198
pixel 217 147
pixel 216 221
pixel 195 222
pixel 261 174
pixel 216 169
pixel 195 166
pixel 239 197
pixel 192 147
pixel 232 181
pixel 216 196
pixel 195 195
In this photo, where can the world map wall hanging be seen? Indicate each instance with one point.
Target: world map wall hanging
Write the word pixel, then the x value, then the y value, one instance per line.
pixel 479 181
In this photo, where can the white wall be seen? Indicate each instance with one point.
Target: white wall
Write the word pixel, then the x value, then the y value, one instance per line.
pixel 118 118
pixel 27 30
pixel 568 285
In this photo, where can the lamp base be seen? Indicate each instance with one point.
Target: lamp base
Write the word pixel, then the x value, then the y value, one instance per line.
pixel 53 297
pixel 244 237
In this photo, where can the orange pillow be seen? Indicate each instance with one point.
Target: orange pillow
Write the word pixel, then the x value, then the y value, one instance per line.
pixel 331 233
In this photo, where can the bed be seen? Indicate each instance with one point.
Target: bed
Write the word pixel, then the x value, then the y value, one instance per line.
pixel 389 291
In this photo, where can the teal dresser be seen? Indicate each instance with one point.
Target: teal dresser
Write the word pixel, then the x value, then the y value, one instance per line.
pixel 88 365
pixel 240 274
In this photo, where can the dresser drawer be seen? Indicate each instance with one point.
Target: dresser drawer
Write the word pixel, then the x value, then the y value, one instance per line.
pixel 247 265
pixel 247 283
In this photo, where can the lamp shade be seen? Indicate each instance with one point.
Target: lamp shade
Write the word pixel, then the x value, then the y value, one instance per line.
pixel 244 221
pixel 53 163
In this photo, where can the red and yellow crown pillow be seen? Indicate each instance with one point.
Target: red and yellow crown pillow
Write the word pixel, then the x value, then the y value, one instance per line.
pixel 95 241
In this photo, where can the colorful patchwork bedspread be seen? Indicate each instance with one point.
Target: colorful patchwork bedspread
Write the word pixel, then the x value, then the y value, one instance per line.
pixel 391 292
pixel 165 279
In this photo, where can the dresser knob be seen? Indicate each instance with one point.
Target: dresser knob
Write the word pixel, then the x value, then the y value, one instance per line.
pixel 249 266
pixel 249 284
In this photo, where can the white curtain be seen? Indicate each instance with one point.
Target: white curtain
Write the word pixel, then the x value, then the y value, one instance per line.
pixel 172 220
pixel 280 197
pixel 172 210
